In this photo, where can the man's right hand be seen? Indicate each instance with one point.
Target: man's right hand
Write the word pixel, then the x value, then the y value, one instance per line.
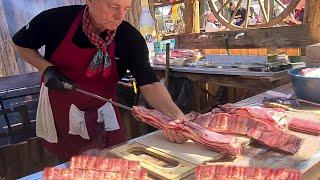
pixel 53 79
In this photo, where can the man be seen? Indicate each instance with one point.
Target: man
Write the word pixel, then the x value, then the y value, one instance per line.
pixel 210 25
pixel 89 47
pixel 240 14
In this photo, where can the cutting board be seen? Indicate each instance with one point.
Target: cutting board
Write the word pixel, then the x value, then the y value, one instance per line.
pixel 181 158
pixel 159 165
pixel 188 151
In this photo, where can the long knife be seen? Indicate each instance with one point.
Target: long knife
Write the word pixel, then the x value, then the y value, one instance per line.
pixel 104 99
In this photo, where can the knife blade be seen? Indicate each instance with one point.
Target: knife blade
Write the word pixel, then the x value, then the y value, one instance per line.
pixel 104 99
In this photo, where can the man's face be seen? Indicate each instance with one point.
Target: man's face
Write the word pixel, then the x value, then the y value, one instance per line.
pixel 233 6
pixel 211 18
pixel 108 14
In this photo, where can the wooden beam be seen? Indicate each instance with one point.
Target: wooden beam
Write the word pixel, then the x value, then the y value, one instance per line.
pixel 278 37
pixel 188 15
pixel 196 17
pixel 312 17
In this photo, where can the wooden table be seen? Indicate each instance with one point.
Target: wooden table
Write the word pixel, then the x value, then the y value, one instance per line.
pixel 226 85
pixel 230 77
pixel 257 156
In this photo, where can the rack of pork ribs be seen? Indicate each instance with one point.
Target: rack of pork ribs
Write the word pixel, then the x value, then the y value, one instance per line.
pixel 216 129
pixel 224 172
pixel 93 168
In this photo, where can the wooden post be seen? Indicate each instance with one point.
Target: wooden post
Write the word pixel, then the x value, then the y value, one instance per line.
pixel 167 75
pixel 312 17
pixel 202 10
pixel 134 14
pixel 191 15
pixel 196 17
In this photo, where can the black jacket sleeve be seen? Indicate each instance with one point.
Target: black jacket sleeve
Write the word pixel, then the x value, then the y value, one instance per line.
pixel 35 34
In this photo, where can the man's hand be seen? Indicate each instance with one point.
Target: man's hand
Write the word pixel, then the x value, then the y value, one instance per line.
pixel 163 103
pixel 173 136
pixel 53 79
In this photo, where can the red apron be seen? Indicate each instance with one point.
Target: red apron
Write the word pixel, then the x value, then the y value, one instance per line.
pixel 73 62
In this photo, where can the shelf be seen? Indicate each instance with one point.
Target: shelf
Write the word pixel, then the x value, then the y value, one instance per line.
pixel 156 4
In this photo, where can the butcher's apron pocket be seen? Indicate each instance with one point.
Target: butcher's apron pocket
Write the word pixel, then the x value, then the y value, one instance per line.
pixel 107 115
pixel 77 122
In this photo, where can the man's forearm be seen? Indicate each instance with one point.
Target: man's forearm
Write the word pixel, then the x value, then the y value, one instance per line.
pixel 33 57
pixel 159 98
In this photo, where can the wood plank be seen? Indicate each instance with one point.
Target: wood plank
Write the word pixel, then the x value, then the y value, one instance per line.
pixel 188 15
pixel 22 154
pixel 6 50
pixel 12 161
pixel 16 14
pixel 313 18
pixel 20 81
pixel 279 37
pixel 35 147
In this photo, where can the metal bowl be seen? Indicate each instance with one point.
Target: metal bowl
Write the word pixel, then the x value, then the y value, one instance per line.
pixel 307 88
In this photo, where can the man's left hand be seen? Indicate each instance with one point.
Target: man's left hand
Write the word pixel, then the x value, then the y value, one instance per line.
pixel 173 136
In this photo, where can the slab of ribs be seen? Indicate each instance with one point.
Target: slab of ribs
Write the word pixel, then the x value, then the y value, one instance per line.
pixel 257 123
pixel 215 129
pixel 271 116
pixel 96 168
pixel 261 131
pixel 223 172
pixel 212 140
pixel 305 126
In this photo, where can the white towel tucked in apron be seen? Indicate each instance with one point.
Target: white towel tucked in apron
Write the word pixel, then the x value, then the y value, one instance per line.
pixel 107 115
pixel 45 127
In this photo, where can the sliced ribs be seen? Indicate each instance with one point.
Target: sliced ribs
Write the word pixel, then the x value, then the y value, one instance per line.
pixel 223 172
pixel 212 140
pixel 77 174
pixel 103 164
pixel 261 131
pixel 272 116
pixel 305 126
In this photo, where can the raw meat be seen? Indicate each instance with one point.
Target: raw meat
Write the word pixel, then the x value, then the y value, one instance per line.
pixel 103 164
pixel 310 72
pixel 271 116
pixel 192 115
pixel 77 174
pixel 212 140
pixel 305 126
pixel 261 131
pixel 223 172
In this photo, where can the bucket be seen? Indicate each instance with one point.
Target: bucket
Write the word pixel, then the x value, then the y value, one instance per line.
pixel 307 88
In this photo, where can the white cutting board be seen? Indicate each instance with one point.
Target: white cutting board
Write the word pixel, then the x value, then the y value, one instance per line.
pixel 188 151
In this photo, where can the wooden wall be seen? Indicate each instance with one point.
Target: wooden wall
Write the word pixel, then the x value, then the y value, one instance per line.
pixel 14 14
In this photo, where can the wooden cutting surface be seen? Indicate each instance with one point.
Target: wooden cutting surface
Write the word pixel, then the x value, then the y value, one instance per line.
pixel 306 160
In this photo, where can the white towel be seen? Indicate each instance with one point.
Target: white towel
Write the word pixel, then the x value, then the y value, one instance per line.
pixel 77 122
pixel 107 115
pixel 45 127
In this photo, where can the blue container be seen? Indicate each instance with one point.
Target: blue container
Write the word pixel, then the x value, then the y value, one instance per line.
pixel 307 88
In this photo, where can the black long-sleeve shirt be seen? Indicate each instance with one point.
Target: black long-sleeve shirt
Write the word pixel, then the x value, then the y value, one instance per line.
pixel 51 26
